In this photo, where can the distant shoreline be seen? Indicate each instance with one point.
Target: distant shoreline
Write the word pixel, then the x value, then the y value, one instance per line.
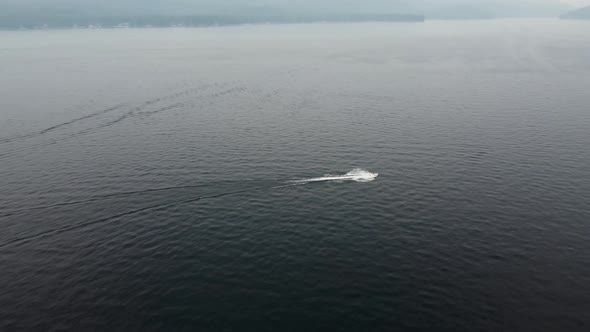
pixel 578 14
pixel 103 27
pixel 196 21
pixel 199 26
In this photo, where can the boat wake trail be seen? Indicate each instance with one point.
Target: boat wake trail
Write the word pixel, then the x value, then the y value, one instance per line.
pixel 94 199
pixel 113 218
pixel 356 175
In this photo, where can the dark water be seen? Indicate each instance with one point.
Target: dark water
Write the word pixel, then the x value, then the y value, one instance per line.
pixel 144 178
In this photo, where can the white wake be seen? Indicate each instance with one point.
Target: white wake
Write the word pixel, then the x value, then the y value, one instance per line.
pixel 356 175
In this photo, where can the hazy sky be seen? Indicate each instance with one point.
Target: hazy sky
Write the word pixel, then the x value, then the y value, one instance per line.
pixel 577 2
pixel 437 3
pixel 270 2
pixel 431 8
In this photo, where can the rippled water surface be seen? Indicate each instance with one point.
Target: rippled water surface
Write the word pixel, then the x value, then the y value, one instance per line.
pixel 199 179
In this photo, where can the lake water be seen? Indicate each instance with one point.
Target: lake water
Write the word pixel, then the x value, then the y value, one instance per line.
pixel 159 179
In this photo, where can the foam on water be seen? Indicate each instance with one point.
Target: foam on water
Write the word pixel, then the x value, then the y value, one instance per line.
pixel 357 175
